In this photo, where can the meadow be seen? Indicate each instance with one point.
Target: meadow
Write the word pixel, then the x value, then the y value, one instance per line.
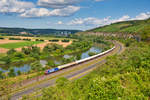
pixel 19 44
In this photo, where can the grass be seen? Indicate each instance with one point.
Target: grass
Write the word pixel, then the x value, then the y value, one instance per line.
pixel 19 44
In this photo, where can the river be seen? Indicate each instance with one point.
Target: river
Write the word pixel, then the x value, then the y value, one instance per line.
pixel 57 60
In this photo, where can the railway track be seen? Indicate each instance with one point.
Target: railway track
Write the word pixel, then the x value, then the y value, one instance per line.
pixel 71 76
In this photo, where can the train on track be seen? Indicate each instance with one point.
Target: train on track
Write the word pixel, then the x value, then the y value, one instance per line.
pixel 49 71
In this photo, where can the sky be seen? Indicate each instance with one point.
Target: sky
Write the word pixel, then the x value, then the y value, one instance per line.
pixel 70 14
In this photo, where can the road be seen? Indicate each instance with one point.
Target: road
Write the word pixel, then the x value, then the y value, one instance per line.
pixel 71 76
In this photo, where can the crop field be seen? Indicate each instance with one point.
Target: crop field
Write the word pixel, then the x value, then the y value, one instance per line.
pixel 42 45
pixel 9 41
pixel 33 38
pixel 19 44
pixel 6 43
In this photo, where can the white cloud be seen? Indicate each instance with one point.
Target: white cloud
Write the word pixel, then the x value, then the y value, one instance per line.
pixel 28 9
pixel 91 21
pixel 43 12
pixel 123 18
pixel 85 21
pixel 69 10
pixel 59 22
pixel 57 3
pixel 142 16
pixel 14 6
pixel 35 12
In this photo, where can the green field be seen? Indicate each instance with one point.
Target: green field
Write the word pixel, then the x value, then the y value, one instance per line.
pixel 19 44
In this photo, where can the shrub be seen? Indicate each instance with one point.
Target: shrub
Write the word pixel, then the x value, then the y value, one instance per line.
pixel 11 72
pixel 14 38
pixel 65 40
pixel 1 38
pixel 11 51
pixel 39 40
pixel 27 39
pixel 91 53
pixel 54 40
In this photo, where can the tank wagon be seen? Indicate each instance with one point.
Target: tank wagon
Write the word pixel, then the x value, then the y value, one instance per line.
pixel 49 71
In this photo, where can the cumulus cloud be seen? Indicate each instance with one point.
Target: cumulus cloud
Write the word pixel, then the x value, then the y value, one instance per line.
pixel 43 12
pixel 92 21
pixel 142 16
pixel 57 3
pixel 35 12
pixel 123 18
pixel 59 22
pixel 14 6
pixel 85 21
pixel 28 9
pixel 69 10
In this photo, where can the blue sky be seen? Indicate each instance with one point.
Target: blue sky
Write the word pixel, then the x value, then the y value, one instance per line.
pixel 70 14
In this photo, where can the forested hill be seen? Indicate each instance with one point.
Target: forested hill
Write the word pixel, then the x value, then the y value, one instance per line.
pixel 134 26
pixel 16 31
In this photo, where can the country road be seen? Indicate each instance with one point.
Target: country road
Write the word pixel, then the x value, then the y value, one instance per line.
pixel 71 75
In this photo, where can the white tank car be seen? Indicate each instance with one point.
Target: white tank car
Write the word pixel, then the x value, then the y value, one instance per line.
pixel 66 65
pixel 92 57
pixel 84 60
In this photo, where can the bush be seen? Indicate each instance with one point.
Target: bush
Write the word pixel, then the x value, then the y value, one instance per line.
pixel 1 75
pixel 11 72
pixel 18 72
pixel 14 38
pixel 61 82
pixel 36 66
pixel 54 40
pixel 11 51
pixel 65 40
pixel 39 40
pixel 27 39
pixel 51 63
pixel 1 38
pixel 91 53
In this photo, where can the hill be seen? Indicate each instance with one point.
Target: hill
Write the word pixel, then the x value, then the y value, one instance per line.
pixel 16 31
pixel 134 26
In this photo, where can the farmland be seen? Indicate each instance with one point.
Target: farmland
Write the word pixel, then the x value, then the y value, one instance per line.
pixel 9 41
pixel 19 44
pixel 6 43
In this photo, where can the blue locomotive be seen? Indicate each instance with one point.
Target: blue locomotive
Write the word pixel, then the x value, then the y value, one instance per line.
pixel 51 71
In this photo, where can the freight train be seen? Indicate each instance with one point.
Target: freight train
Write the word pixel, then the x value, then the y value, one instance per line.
pixel 49 71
